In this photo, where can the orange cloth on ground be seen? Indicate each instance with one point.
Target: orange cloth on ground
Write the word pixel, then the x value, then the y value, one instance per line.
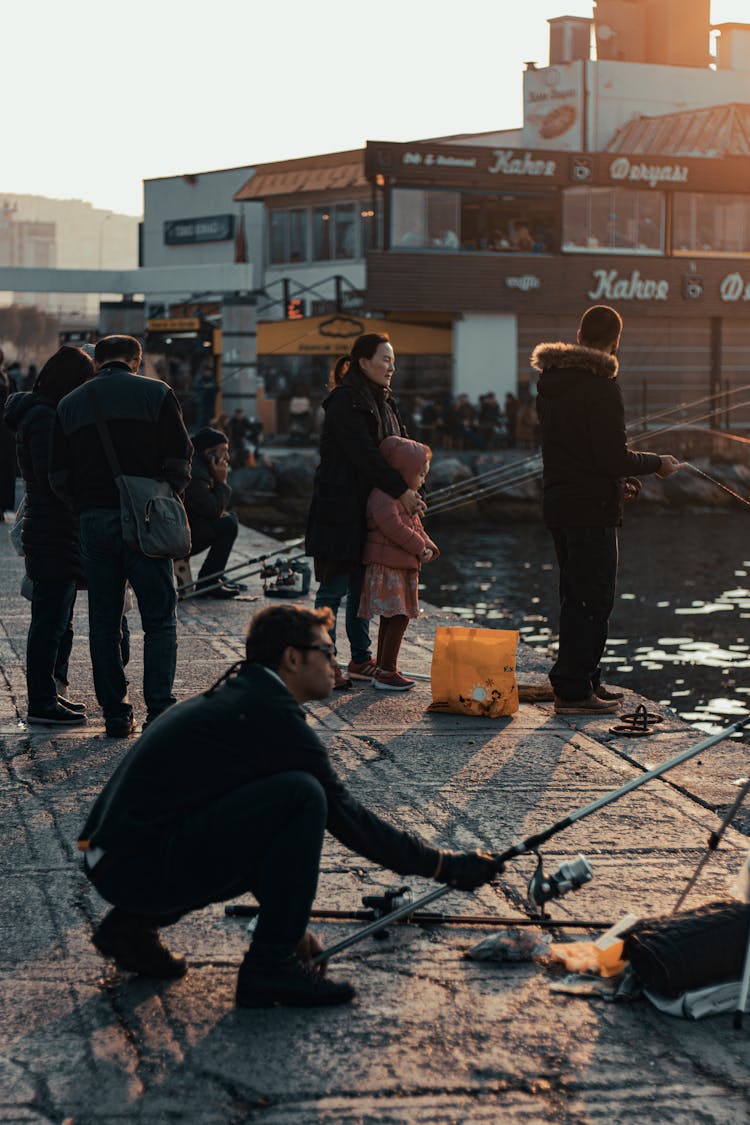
pixel 586 957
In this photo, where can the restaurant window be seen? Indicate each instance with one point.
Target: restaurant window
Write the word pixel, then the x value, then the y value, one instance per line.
pixel 504 223
pixel 368 227
pixel 297 236
pixel 613 220
pixel 425 219
pixel 321 229
pixel 288 236
pixel 345 231
pixel 448 220
pixel 705 223
pixel 278 229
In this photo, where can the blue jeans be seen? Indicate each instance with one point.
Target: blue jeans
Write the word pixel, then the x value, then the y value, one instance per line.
pixel 108 564
pixel 49 640
pixel 331 594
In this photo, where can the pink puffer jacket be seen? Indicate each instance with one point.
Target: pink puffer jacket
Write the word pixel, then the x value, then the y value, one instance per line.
pixel 393 538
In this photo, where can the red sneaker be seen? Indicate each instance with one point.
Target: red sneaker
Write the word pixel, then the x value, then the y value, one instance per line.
pixel 364 671
pixel 391 681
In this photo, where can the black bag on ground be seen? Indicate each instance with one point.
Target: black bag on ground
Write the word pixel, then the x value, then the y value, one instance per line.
pixel 690 950
pixel 153 516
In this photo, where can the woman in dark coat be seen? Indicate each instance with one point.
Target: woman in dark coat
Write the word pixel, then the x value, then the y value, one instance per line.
pixel 360 412
pixel 49 536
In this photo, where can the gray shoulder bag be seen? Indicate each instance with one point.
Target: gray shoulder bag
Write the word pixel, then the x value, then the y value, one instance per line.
pixel 154 520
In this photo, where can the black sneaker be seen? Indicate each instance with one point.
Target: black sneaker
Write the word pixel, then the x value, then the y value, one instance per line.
pixel 120 728
pixel 288 984
pixel 135 946
pixel 71 705
pixel 218 590
pixel 56 715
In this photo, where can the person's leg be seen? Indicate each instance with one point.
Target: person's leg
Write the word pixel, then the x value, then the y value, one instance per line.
pixel 265 837
pixel 64 649
pixel 51 608
pixel 218 536
pixel 102 554
pixel 331 593
pixel 588 571
pixel 395 627
pixel 153 584
pixel 357 628
pixel 382 631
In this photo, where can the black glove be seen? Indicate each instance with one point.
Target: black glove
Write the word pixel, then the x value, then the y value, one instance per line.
pixel 466 870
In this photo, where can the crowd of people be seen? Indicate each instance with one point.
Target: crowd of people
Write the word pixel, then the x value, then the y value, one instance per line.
pixel 231 791
pixel 448 422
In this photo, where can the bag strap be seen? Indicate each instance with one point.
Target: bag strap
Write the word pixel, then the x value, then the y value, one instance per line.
pixel 104 434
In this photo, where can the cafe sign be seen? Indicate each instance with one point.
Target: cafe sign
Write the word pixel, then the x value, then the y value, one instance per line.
pixel 609 286
pixel 734 288
pixel 640 172
pixel 525 283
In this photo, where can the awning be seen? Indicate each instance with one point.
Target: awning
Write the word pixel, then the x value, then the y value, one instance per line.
pixel 335 171
pixel 720 130
pixel 335 334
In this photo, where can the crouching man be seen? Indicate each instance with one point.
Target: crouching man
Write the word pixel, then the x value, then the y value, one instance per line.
pixel 230 792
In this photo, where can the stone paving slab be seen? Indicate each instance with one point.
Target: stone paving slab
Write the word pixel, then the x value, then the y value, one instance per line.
pixel 432 1038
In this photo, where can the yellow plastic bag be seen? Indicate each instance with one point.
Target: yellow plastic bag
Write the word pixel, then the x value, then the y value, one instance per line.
pixel 474 671
pixel 587 957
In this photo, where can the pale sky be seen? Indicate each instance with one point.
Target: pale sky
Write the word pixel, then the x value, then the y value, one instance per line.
pixel 98 96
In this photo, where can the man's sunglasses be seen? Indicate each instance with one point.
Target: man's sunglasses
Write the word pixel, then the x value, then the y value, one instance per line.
pixel 327 650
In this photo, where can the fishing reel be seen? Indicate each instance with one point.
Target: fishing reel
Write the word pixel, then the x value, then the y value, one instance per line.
pixel 286 578
pixel 571 875
pixel 381 905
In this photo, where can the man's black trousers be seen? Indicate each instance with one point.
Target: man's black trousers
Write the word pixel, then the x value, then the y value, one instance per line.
pixel 218 536
pixel 587 557
pixel 264 837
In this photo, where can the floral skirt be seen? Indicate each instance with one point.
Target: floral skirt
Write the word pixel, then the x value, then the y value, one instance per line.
pixel 387 592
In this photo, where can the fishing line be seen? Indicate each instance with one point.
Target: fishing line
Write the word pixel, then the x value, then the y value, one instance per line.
pixel 494 474
pixel 484 491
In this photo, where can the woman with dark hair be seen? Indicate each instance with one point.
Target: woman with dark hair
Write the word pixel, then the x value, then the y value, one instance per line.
pixel 49 536
pixel 360 412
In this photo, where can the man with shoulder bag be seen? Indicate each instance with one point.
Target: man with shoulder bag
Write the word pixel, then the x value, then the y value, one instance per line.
pixel 115 439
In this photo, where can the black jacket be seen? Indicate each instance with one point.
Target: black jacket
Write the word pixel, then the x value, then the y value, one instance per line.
pixel 584 448
pixel 145 423
pixel 248 728
pixel 49 532
pixel 351 465
pixel 205 498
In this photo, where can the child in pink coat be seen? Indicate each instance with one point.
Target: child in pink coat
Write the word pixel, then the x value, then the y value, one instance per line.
pixel 395 548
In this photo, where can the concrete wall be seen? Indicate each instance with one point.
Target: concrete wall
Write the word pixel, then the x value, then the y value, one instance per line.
pixel 485 350
pixel 196 196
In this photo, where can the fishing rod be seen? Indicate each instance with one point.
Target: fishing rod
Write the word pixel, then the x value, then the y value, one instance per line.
pixel 427 918
pixel 484 491
pixel 219 574
pixel 542 889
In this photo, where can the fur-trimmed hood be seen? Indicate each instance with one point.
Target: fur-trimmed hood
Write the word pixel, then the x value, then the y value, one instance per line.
pixel 560 355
